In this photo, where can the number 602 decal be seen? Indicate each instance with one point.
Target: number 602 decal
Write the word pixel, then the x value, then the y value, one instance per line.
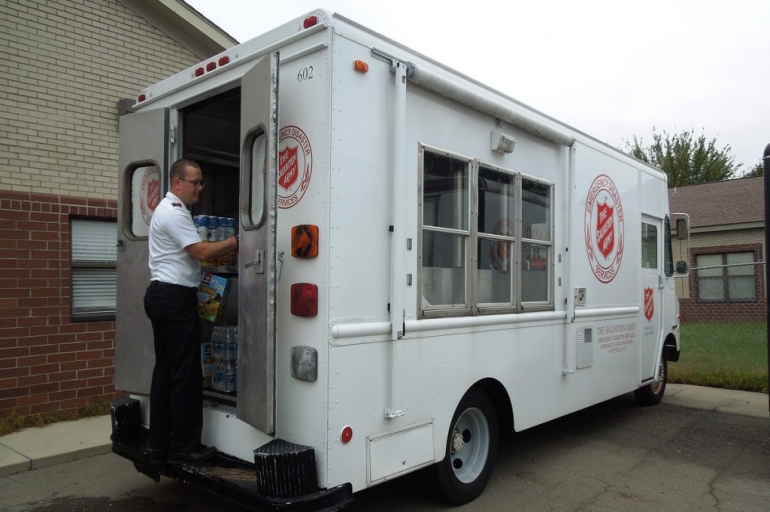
pixel 305 74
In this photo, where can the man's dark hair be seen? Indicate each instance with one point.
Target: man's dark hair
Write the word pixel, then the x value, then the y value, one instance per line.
pixel 179 168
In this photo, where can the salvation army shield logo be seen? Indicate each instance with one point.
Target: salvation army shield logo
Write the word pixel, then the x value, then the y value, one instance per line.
pixel 649 304
pixel 295 165
pixel 149 193
pixel 604 228
pixel 288 170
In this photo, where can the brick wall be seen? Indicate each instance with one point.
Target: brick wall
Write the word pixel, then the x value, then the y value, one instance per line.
pixel 64 65
pixel 47 362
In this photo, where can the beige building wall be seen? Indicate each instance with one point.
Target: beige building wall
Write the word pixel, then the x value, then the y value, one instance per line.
pixel 739 239
pixel 64 64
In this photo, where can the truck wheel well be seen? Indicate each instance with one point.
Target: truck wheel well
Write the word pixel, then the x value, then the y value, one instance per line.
pixel 500 399
pixel 670 353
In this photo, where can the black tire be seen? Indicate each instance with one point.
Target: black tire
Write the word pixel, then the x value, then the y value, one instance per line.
pixel 652 394
pixel 465 472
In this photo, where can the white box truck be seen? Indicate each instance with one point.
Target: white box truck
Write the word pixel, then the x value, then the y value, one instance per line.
pixel 423 262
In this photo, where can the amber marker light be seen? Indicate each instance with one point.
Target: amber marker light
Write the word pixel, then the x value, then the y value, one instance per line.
pixel 361 66
pixel 304 241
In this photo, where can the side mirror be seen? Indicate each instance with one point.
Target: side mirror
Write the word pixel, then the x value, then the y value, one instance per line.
pixel 682 231
pixel 681 267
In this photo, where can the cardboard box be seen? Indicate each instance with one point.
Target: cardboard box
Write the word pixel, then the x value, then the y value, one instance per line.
pixel 207 363
pixel 212 296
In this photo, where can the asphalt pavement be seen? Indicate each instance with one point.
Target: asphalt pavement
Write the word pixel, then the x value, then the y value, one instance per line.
pixel 39 447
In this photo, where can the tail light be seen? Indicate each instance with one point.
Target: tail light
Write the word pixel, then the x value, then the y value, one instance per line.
pixel 304 299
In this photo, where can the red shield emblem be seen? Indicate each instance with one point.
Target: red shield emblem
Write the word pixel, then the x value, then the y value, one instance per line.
pixel 288 167
pixel 153 194
pixel 605 229
pixel 649 304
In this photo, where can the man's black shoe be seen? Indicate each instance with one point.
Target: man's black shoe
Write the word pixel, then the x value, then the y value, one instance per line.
pixel 158 456
pixel 201 455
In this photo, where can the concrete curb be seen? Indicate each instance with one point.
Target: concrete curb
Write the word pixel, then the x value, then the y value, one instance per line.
pixel 39 447
pixel 745 403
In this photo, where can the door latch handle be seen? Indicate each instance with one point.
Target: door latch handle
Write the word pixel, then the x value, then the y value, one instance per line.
pixel 258 263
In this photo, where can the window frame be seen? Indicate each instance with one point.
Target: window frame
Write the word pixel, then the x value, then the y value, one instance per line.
pixel 725 277
pixel 472 238
pixel 646 227
pixel 548 304
pixel 83 266
pixel 440 310
pixel 486 308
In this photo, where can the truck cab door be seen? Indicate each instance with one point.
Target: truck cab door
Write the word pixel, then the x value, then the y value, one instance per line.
pixel 257 251
pixel 142 183
pixel 651 318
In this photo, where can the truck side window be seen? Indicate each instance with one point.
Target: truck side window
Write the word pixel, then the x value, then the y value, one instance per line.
pixel 496 236
pixel 257 186
pixel 445 232
pixel 145 195
pixel 487 241
pixel 649 246
pixel 537 241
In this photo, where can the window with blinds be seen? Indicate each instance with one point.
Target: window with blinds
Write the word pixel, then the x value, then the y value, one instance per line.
pixel 94 273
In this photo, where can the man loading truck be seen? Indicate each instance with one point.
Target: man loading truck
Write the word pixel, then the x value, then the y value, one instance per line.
pixel 171 303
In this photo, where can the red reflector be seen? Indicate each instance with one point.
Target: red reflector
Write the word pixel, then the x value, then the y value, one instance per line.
pixel 224 60
pixel 199 72
pixel 347 434
pixel 304 299
pixel 211 66
pixel 141 98
pixel 310 21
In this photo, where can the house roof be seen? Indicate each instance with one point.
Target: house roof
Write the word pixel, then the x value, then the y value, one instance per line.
pixel 722 203
pixel 184 24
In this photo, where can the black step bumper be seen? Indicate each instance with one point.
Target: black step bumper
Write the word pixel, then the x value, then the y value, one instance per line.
pixel 229 478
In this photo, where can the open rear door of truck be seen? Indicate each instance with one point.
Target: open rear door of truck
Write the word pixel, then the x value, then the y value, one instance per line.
pixel 257 252
pixel 143 160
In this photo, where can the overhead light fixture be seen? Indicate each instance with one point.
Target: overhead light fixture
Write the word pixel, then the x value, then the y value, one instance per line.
pixel 502 143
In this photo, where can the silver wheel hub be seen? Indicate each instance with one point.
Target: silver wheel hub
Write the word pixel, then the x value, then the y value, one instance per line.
pixel 469 445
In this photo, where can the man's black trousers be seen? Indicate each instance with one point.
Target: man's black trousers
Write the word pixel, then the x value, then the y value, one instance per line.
pixel 176 395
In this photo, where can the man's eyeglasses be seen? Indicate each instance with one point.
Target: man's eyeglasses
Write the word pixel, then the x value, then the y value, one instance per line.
pixel 195 183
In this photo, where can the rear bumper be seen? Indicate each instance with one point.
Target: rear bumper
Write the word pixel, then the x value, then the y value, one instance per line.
pixel 231 479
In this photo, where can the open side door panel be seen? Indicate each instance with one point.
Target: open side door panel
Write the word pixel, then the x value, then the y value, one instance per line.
pixel 142 184
pixel 257 252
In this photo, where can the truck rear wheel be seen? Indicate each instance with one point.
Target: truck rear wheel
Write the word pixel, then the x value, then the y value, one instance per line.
pixel 652 394
pixel 470 449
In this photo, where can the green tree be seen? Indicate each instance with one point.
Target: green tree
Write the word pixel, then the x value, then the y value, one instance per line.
pixel 685 158
pixel 755 171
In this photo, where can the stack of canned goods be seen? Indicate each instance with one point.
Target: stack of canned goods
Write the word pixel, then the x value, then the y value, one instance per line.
pixel 212 229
